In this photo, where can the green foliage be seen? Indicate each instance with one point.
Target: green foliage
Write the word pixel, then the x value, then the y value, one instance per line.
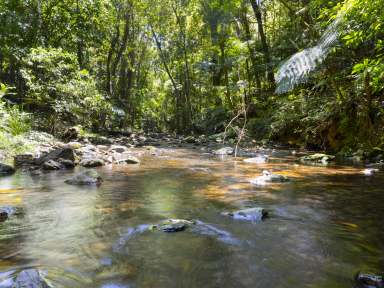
pixel 14 121
pixel 187 66
pixel 61 91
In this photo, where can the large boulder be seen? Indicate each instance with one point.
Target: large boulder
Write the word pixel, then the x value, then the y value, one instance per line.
pixel 89 177
pixel 251 214
pixel 92 162
pixel 69 164
pixel 25 159
pixel 6 170
pixel 60 153
pixel 52 165
pixel 30 278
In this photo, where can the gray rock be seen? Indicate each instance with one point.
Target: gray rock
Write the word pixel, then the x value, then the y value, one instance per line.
pixel 67 163
pixel 369 280
pixel 100 140
pixel 23 159
pixel 63 153
pixel 73 145
pixel 6 170
pixel 30 278
pixel 91 163
pixel 89 177
pixel 251 214
pixel 257 160
pixel 118 149
pixel 127 159
pixel 3 216
pixel 173 225
pixel 268 177
pixel 224 151
pixel 189 139
pixel 51 165
pixel 317 158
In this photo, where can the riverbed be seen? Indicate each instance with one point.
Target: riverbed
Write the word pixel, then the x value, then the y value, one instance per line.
pixel 325 225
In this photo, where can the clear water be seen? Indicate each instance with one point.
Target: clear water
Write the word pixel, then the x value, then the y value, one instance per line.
pixel 326 224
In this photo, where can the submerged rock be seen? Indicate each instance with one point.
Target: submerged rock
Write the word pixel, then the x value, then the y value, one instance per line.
pixel 89 177
pixel 173 225
pixel 251 214
pixel 93 162
pixel 224 151
pixel 3 215
pixel 30 278
pixel 317 158
pixel 6 212
pixel 268 177
pixel 257 160
pixel 6 170
pixel 369 280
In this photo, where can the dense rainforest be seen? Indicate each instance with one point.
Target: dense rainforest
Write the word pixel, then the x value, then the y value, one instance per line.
pixel 309 73
pixel 191 143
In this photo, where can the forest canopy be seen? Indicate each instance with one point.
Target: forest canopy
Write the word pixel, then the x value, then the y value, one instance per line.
pixel 190 66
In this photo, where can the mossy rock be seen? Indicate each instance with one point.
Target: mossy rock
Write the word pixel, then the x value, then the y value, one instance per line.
pixel 174 225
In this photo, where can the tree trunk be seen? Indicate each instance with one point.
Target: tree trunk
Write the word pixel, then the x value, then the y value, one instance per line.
pixel 264 44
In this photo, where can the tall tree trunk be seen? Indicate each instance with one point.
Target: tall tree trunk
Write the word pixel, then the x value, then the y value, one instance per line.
pixel 263 39
pixel 168 71
pixel 187 81
pixel 252 53
pixel 80 42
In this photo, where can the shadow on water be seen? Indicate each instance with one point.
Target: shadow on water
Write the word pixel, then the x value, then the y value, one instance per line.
pixel 325 225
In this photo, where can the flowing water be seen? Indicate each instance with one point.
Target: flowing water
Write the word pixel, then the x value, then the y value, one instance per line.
pixel 325 225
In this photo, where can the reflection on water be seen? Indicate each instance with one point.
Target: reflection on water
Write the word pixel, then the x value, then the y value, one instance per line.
pixel 326 225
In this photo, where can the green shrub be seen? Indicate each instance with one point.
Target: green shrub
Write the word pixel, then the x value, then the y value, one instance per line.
pixel 60 94
pixel 14 121
pixel 18 122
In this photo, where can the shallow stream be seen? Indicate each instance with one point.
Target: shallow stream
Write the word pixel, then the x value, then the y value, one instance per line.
pixel 325 225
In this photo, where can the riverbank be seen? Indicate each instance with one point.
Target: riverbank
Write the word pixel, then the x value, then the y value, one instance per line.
pixel 97 150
